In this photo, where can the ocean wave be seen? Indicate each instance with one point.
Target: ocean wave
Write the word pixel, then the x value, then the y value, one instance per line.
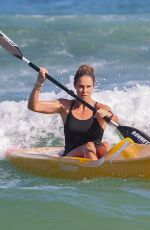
pixel 23 128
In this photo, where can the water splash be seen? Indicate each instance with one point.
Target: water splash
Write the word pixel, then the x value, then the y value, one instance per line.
pixel 23 128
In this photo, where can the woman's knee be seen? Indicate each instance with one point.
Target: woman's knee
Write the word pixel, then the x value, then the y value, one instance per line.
pixel 90 146
pixel 90 151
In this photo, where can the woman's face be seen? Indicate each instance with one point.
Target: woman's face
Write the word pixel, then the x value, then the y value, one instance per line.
pixel 84 87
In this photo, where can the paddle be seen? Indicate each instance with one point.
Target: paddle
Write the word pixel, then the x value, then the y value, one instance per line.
pixel 126 131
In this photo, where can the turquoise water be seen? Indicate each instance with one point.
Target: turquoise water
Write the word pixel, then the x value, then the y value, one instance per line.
pixel 36 203
pixel 113 36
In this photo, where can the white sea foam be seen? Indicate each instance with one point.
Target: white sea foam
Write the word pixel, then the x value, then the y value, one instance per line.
pixel 23 128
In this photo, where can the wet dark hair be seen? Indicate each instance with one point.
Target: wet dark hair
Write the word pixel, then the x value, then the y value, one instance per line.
pixel 84 70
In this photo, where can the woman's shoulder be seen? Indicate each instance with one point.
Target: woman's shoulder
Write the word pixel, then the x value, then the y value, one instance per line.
pixel 99 105
pixel 65 103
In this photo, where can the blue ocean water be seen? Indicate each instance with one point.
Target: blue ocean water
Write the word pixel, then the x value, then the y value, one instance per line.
pixel 72 7
pixel 111 35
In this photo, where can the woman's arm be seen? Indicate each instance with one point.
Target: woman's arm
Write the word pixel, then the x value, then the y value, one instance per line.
pixel 34 104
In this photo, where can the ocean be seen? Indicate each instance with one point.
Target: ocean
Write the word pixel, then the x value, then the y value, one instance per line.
pixel 112 36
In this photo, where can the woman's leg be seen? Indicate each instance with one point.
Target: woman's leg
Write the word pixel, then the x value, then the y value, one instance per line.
pixel 90 151
pixel 87 151
pixel 102 149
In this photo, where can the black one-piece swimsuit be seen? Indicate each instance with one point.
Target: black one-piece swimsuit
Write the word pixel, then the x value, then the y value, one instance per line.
pixel 79 132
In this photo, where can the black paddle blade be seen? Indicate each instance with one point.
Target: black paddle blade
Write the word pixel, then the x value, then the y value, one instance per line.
pixel 10 46
pixel 136 135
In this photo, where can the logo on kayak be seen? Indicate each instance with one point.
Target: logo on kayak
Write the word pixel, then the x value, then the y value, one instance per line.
pixel 139 137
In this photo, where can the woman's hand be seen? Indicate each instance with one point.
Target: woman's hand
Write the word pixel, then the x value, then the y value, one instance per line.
pixel 101 113
pixel 42 75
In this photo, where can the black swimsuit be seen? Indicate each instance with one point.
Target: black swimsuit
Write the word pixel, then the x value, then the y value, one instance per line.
pixel 79 132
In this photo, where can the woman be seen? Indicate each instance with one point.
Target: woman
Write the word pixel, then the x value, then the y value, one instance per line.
pixel 83 130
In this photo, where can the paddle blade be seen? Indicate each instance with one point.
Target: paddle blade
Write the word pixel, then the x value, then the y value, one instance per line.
pixel 136 135
pixel 10 46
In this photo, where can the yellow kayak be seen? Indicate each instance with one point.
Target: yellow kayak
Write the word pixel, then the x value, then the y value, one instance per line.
pixel 126 159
